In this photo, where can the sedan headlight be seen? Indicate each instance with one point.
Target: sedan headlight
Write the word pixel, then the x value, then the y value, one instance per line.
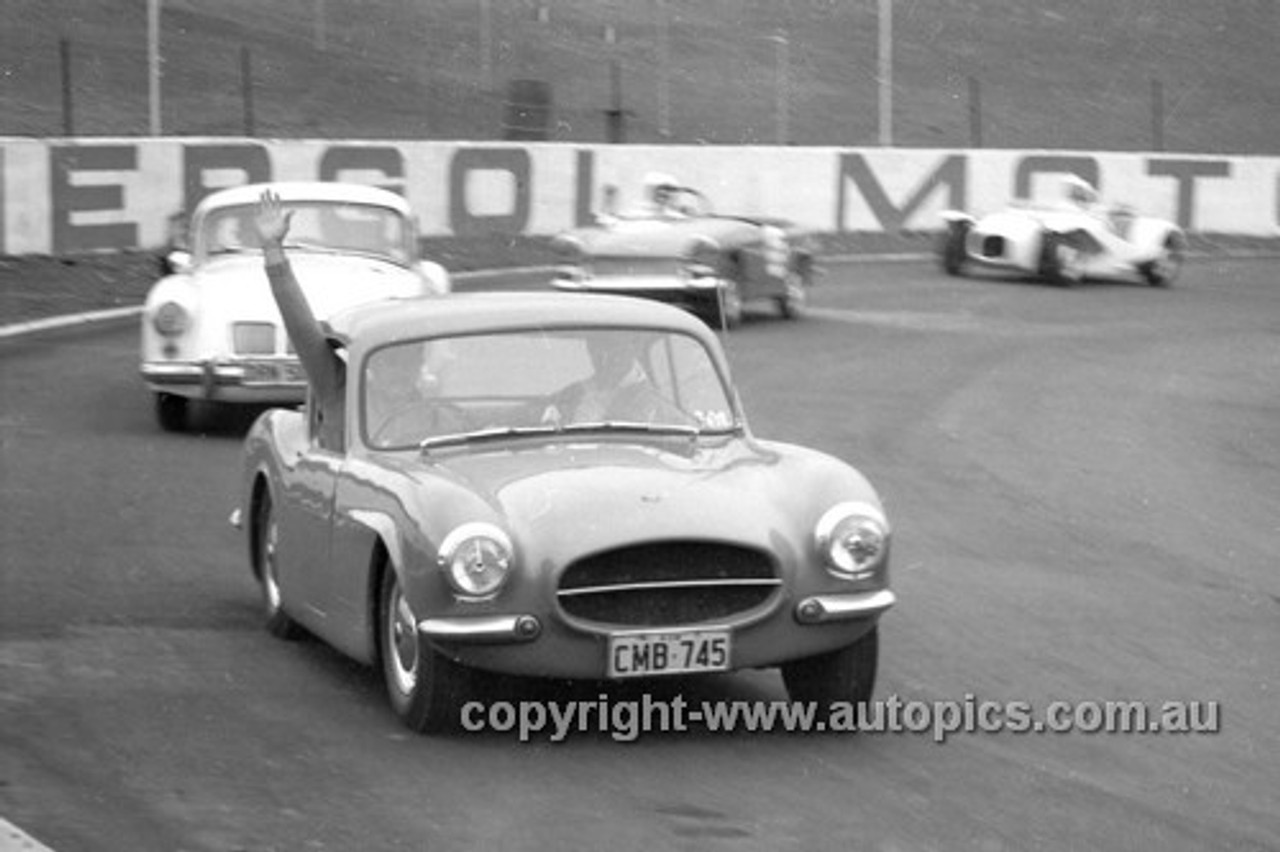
pixel 702 259
pixel 571 259
pixel 171 319
pixel 476 559
pixel 853 540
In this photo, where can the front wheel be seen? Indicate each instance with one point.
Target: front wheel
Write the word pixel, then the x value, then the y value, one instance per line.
pixel 1061 261
pixel 728 312
pixel 846 674
pixel 426 689
pixel 792 302
pixel 951 248
pixel 172 411
pixel 1164 270
pixel 266 536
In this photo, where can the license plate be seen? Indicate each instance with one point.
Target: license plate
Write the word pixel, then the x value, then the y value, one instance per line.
pixel 274 373
pixel 672 652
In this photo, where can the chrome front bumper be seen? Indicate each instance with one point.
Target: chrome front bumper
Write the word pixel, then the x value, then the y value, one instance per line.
pixel 214 376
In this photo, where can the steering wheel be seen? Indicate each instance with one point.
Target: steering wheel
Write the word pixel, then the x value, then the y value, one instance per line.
pixel 429 417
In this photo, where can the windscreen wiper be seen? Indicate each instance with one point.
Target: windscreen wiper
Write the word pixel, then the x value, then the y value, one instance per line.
pixel 481 435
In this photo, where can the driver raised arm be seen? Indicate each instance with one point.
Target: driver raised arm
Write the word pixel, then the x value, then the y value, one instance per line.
pixel 325 369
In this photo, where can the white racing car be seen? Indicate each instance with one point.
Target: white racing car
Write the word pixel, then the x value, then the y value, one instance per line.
pixel 1065 243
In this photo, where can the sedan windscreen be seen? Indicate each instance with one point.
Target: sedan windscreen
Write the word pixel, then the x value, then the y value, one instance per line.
pixel 321 226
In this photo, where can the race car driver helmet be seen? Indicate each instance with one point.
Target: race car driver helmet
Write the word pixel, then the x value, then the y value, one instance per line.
pixel 1079 191
pixel 659 188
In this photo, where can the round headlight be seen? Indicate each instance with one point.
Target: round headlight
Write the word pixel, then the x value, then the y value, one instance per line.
pixel 702 259
pixel 853 539
pixel 476 559
pixel 171 319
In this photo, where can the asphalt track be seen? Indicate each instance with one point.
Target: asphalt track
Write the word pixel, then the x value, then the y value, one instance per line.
pixel 1086 497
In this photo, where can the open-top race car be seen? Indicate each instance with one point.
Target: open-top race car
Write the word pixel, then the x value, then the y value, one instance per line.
pixel 1066 242
pixel 210 328
pixel 675 249
pixel 557 485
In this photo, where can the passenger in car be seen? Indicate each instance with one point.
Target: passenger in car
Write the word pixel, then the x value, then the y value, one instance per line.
pixel 324 364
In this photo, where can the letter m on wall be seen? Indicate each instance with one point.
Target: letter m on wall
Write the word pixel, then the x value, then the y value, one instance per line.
pixel 863 203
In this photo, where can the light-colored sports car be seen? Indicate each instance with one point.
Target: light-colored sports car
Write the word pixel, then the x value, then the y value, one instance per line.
pixel 210 328
pixel 484 517
pixel 1065 243
pixel 685 255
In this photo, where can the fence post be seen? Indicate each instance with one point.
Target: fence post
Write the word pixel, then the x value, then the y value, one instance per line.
pixel 1157 115
pixel 975 112
pixel 246 88
pixel 615 115
pixel 68 124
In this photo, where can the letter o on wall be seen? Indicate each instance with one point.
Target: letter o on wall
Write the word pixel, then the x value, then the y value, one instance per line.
pixel 492 173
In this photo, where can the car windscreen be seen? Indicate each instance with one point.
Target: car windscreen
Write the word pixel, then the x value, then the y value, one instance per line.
pixel 541 381
pixel 320 226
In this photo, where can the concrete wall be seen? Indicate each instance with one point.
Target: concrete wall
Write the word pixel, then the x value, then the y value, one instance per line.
pixel 60 196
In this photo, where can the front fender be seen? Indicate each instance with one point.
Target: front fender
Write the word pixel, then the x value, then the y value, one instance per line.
pixel 953 217
pixel 1150 236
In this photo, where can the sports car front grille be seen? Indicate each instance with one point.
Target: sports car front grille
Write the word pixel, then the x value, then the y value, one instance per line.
pixel 992 246
pixel 667 584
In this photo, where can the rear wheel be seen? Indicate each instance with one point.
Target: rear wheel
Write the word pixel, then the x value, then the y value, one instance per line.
pixel 266 532
pixel 172 411
pixel 846 674
pixel 1060 260
pixel 426 689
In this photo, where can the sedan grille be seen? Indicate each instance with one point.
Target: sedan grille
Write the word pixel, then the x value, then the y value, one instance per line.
pixel 253 338
pixel 667 584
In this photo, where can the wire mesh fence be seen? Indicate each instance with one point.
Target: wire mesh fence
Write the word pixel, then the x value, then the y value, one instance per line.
pixel 1090 74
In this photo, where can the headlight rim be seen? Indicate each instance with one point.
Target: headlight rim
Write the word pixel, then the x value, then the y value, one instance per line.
pixel 171 318
pixel 833 519
pixel 450 551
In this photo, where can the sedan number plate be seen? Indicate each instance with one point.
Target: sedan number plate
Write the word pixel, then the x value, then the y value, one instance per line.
pixel 671 652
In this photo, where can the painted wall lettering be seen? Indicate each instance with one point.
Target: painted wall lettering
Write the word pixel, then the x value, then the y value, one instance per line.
pixel 585 205
pixel 200 162
pixel 349 158
pixel 1186 172
pixel 1054 164
pixel 950 173
pixel 61 197
pixel 68 198
pixel 3 195
pixel 470 162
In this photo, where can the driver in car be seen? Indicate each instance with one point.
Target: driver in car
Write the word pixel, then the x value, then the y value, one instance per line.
pixel 619 389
